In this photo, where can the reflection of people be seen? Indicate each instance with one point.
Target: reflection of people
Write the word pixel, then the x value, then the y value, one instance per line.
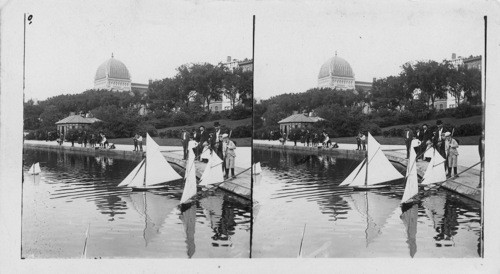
pixel 228 148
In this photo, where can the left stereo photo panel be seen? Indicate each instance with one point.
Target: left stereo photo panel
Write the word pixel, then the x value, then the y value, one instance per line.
pixel 137 131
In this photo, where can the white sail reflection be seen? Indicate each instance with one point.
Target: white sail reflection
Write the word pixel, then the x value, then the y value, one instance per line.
pixel 374 208
pixel 188 217
pixel 153 208
pixel 409 218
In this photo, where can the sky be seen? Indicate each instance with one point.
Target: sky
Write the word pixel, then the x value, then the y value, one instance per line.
pixel 375 37
pixel 68 40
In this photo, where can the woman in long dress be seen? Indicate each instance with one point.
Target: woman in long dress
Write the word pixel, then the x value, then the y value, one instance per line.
pixel 228 148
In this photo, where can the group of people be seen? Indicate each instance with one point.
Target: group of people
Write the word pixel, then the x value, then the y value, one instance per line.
pixel 308 138
pixel 423 140
pixel 84 139
pixel 137 142
pixel 204 143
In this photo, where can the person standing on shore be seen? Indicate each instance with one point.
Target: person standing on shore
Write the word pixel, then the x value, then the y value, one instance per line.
pixel 136 146
pixel 216 142
pixel 408 137
pixel 203 140
pixel 451 146
pixel 139 141
pixel 228 148
pixel 363 140
pixel 439 142
pixel 358 140
pixel 425 136
pixel 185 142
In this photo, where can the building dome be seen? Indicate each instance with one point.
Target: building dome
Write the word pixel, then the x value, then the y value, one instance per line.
pixel 112 68
pixel 336 66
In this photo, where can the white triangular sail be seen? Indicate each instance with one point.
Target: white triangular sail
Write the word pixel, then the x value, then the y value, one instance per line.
pixel 34 169
pixel 189 181
pixel 213 171
pixel 130 177
pixel 158 170
pixel 256 169
pixel 435 170
pixel 138 179
pixel 411 187
pixel 380 170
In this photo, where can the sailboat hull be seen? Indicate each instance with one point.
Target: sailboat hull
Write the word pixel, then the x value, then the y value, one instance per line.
pixel 369 187
pixel 144 188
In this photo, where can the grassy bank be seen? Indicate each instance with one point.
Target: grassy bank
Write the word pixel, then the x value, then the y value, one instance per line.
pixel 451 121
pixel 241 142
pixel 228 123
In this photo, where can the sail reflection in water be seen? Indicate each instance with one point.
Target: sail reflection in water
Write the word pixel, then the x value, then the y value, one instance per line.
pixel 74 191
pixel 409 217
pixel 375 208
pixel 295 189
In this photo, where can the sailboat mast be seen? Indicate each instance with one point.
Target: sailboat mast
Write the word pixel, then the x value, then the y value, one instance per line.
pixel 366 173
pixel 145 169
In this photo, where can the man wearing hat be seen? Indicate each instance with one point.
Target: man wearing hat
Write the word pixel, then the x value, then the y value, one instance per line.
pixel 185 141
pixel 439 141
pixel 216 141
pixel 203 139
pixel 451 146
pixel 408 136
pixel 228 148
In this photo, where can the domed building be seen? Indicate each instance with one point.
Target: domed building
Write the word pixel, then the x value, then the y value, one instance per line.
pixel 113 75
pixel 336 73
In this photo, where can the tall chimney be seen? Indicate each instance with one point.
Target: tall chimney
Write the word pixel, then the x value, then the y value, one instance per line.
pixel 453 56
pixel 229 59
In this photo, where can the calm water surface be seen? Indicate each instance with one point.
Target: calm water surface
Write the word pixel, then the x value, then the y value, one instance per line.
pixel 297 191
pixel 75 192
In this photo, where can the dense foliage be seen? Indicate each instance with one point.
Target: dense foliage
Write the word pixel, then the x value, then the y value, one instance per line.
pixel 402 99
pixel 181 100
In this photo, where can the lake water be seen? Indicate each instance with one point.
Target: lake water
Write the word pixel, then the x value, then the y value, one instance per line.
pixel 75 193
pixel 297 196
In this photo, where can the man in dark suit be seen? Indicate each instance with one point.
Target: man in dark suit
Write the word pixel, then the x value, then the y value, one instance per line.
pixel 408 136
pixel 216 141
pixel 203 140
pixel 425 135
pixel 439 141
pixel 185 141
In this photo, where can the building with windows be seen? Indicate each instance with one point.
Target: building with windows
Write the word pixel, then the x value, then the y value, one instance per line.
pixel 225 102
pixel 298 120
pixel 114 75
pixel 336 73
pixel 75 121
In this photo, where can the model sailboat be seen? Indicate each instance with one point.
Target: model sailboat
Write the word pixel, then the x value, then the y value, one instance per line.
pixel 256 169
pixel 152 171
pixel 34 169
pixel 411 187
pixel 435 170
pixel 213 171
pixel 374 170
pixel 189 179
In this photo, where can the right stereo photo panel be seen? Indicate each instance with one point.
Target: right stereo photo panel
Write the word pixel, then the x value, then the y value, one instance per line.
pixel 368 132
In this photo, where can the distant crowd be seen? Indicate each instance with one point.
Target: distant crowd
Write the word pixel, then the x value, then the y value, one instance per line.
pixel 83 139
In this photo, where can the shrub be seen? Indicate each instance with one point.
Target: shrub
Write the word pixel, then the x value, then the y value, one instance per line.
pixel 162 134
pixel 242 132
pixel 240 112
pixel 406 117
pixel 469 129
pixel 466 110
